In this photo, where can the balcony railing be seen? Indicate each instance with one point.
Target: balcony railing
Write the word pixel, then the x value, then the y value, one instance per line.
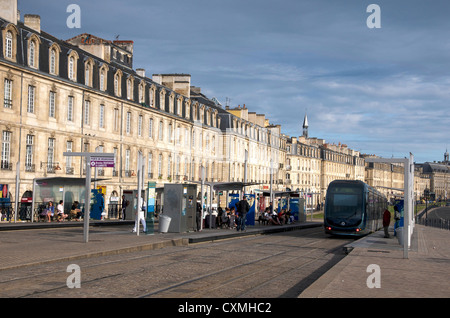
pixel 5 165
pixel 30 168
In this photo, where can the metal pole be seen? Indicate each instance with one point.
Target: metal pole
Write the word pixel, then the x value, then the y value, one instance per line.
pixel 87 199
pixel 202 175
pixel 138 204
pixel 245 173
pixel 16 204
pixel 210 205
pixel 271 181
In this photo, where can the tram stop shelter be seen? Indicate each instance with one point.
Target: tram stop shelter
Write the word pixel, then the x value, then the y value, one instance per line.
pixel 223 186
pixel 290 200
pixel 59 188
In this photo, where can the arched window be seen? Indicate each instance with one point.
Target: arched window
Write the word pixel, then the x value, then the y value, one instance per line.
pixel 72 65
pixel 52 61
pixel 118 83
pixel 32 53
pixel 9 45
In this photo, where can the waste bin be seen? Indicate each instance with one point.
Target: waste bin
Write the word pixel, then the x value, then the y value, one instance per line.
pixel 164 222
pixel 399 234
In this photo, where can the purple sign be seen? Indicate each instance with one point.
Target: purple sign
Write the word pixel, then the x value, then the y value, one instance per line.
pixel 102 162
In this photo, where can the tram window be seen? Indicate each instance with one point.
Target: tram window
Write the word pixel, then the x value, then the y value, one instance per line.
pixel 345 200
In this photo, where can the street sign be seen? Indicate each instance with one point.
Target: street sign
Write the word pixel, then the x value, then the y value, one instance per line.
pixel 102 162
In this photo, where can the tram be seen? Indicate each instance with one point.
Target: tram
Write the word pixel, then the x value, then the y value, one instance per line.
pixel 353 208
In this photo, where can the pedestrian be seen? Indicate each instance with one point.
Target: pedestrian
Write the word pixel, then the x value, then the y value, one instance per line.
pixel 124 206
pixel 397 217
pixel 386 222
pixel 198 216
pixel 140 217
pixel 242 208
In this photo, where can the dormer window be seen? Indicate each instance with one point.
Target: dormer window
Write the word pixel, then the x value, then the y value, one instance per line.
pixel 117 83
pixel 88 72
pixel 130 88
pixel 72 66
pixel 32 54
pixel 53 61
pixel 9 45
pixel 33 51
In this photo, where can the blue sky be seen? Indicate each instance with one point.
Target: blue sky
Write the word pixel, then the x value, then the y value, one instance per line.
pixel 380 91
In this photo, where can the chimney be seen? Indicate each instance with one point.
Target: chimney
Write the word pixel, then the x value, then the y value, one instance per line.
pixel 33 21
pixel 140 72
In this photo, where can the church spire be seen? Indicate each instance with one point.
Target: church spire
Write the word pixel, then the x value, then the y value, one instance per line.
pixel 305 126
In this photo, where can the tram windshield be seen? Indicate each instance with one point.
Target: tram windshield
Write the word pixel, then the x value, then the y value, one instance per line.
pixel 345 202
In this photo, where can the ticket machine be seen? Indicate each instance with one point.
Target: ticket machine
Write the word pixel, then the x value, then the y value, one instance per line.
pixel 180 205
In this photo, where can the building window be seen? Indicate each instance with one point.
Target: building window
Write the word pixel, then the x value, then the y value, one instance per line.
pixel 149 165
pixel 87 106
pixel 71 68
pixel 178 135
pixel 127 162
pixel 51 106
pixel 72 65
pixel 87 75
pixel 69 148
pixel 130 90
pixel 9 45
pixel 29 154
pixel 6 150
pixel 70 108
pixel 140 125
pixel 160 158
pixel 102 79
pixel 52 61
pixel 115 151
pixel 169 167
pixel 31 96
pixel 128 124
pixel 150 128
pixel 32 53
pixel 101 121
pixel 117 83
pixel 141 92
pixel 160 132
pixel 169 132
pixel 151 97
pixel 50 154
pixel 116 119
pixel 8 93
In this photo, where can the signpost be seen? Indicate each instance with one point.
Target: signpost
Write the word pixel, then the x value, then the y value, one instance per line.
pixel 93 159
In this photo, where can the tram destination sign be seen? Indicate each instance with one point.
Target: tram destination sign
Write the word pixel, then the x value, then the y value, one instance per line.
pixel 102 162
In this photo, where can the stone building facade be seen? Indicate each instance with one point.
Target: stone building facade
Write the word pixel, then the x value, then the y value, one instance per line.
pixel 83 95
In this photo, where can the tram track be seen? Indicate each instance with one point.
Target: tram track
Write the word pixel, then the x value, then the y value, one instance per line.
pixel 199 270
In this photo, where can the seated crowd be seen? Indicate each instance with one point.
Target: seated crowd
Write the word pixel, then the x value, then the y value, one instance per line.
pixel 49 214
pixel 274 218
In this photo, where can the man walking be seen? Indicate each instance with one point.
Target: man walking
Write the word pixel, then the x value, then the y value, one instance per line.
pixel 242 208
pixel 140 217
